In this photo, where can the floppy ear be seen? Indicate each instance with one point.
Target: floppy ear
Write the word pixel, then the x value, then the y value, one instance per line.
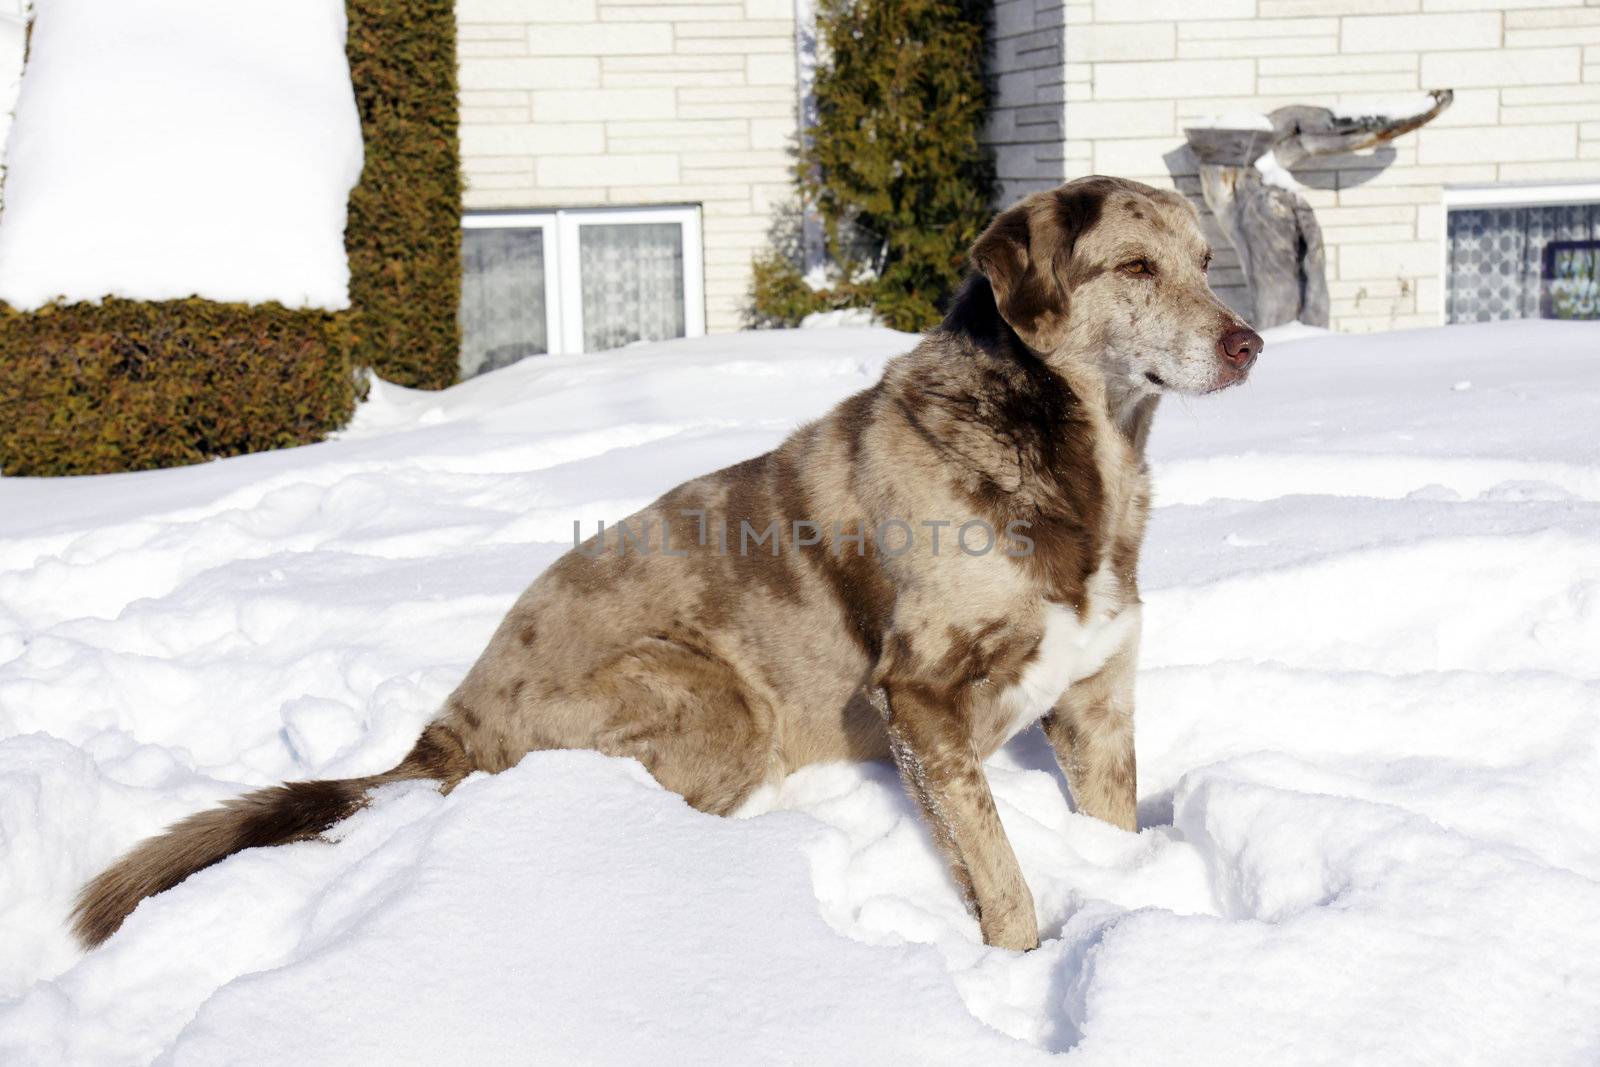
pixel 1027 255
pixel 1021 269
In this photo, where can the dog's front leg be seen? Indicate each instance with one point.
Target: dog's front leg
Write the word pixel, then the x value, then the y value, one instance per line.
pixel 934 753
pixel 1091 730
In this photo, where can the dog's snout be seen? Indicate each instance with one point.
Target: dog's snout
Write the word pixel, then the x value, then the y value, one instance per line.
pixel 1240 347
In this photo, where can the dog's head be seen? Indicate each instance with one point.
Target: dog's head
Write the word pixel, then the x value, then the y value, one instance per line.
pixel 1114 272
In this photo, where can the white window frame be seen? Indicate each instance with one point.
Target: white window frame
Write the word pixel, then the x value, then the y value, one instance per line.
pixel 563 287
pixel 545 223
pixel 1504 194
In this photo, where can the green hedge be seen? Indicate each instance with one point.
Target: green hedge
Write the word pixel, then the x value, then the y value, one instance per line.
pixel 130 385
pixel 404 234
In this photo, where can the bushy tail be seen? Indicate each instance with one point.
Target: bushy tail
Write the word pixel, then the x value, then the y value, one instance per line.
pixel 295 811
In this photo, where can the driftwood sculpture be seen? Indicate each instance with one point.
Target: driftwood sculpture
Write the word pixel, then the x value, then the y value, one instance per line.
pixel 1244 176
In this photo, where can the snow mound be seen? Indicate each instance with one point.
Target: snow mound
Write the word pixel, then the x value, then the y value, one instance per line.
pixel 172 148
pixel 1369 745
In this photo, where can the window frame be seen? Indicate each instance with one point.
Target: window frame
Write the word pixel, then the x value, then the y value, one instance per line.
pixel 1500 194
pixel 563 284
pixel 545 223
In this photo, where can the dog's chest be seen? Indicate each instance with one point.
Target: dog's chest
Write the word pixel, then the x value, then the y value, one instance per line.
pixel 1072 648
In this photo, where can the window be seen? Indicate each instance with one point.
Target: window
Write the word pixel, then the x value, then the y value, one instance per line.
pixel 507 295
pixel 1517 253
pixel 577 281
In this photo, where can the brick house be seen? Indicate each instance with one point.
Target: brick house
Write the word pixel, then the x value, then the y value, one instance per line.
pixel 624 158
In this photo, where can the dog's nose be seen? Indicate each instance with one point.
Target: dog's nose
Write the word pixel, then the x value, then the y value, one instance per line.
pixel 1240 347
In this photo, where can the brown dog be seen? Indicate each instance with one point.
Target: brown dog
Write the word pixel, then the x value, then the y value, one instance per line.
pixel 939 562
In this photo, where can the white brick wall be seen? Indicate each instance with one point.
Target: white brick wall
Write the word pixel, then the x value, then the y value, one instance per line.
pixel 1026 115
pixel 571 103
pixel 1527 109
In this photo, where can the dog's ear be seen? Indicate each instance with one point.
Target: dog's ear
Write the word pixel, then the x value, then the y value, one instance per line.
pixel 1020 267
pixel 1026 254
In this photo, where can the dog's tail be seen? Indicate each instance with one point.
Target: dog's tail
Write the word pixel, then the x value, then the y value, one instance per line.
pixel 295 811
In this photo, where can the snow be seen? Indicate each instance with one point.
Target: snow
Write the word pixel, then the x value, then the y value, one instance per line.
pixel 1369 745
pixel 1382 107
pixel 151 164
pixel 1292 331
pixel 1234 120
pixel 1275 173
pixel 827 320
pixel 13 42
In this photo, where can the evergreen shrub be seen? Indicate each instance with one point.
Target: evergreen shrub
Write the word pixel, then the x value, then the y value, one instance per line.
pixel 404 231
pixel 129 384
pixel 893 166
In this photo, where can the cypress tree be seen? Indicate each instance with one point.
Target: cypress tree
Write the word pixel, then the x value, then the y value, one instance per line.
pixel 893 165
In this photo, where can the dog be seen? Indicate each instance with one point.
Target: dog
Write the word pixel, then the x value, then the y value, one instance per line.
pixel 941 561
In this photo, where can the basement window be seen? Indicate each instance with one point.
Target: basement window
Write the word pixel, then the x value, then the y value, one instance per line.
pixel 1536 258
pixel 585 280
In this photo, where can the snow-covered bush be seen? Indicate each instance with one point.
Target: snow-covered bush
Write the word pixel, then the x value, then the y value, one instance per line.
pixel 193 163
pixel 164 149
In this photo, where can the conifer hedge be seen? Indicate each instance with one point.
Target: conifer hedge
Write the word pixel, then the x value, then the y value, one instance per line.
pixel 129 385
pixel 404 233
pixel 893 166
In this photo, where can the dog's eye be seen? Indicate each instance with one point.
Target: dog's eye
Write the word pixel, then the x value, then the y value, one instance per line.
pixel 1138 266
pixel 1205 264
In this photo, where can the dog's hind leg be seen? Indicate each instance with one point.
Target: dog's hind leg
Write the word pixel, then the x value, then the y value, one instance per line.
pixel 691 720
pixel 943 774
pixel 1091 730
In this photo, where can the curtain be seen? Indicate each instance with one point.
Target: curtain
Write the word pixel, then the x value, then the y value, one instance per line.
pixel 503 317
pixel 631 275
pixel 1497 259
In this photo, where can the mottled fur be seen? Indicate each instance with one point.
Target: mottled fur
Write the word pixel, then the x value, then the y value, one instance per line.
pixel 721 671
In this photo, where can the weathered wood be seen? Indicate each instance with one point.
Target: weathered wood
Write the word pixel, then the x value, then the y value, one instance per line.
pixel 1279 244
pixel 1244 179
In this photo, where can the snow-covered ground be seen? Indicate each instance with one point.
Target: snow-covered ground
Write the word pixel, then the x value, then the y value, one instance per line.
pixel 1369 746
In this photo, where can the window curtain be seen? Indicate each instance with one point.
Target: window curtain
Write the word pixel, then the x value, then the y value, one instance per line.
pixel 503 317
pixel 1496 257
pixel 632 282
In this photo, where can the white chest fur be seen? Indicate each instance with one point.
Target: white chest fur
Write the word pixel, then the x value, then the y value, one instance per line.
pixel 1072 649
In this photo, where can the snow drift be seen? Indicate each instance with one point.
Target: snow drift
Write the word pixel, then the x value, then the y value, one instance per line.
pixel 1369 745
pixel 173 148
